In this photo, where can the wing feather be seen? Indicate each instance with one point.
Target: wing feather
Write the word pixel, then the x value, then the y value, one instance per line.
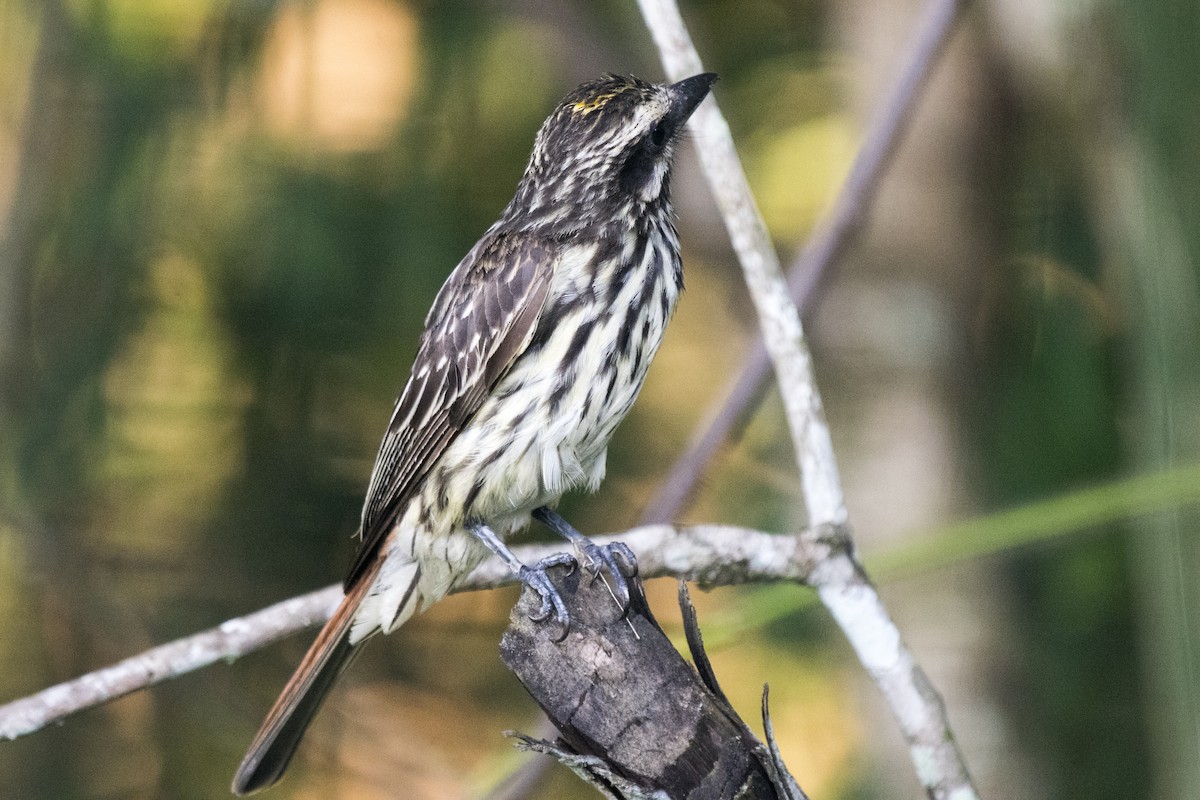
pixel 479 324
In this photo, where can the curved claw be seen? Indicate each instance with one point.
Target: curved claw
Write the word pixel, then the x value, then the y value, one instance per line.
pixel 543 613
pixel 620 562
pixel 624 558
pixel 535 578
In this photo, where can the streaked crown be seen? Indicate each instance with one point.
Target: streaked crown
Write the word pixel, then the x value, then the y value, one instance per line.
pixel 609 140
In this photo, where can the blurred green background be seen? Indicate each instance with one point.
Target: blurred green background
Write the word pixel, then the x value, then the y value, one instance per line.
pixel 222 222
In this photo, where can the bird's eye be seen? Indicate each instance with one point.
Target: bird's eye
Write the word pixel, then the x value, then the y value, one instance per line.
pixel 658 134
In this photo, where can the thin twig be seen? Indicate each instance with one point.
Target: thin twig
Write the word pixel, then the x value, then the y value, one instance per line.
pixel 813 266
pixel 777 314
pixel 841 581
pixel 226 642
pixel 713 555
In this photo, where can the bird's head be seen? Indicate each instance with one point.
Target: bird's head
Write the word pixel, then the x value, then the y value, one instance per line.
pixel 611 139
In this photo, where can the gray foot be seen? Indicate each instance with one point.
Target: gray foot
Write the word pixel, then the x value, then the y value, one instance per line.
pixel 535 578
pixel 621 563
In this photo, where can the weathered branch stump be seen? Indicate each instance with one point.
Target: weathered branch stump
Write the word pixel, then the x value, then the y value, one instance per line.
pixel 635 719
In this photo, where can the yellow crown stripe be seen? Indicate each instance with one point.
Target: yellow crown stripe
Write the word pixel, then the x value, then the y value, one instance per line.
pixel 590 104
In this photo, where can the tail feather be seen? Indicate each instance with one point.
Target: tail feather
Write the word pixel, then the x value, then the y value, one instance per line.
pixel 288 719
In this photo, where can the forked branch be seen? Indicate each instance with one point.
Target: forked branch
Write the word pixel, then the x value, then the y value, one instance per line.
pixel 841 581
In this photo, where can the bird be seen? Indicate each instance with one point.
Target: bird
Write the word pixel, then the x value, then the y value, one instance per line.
pixel 532 353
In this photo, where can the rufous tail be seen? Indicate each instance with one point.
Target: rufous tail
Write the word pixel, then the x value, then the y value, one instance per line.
pixel 287 720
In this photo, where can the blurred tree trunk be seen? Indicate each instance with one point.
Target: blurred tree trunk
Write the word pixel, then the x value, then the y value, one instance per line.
pixel 897 326
pixel 42 138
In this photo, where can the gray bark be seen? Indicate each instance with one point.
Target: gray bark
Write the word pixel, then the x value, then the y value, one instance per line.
pixel 635 719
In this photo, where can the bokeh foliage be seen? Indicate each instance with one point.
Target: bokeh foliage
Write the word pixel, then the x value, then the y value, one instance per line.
pixel 223 221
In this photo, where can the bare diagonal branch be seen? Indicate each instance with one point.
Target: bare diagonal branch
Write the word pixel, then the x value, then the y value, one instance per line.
pixel 840 580
pixel 227 641
pixel 821 254
pixel 777 314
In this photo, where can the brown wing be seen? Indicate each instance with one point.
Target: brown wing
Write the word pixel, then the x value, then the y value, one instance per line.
pixel 481 320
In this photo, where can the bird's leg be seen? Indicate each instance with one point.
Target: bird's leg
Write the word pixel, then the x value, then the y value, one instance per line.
pixel 534 577
pixel 616 556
